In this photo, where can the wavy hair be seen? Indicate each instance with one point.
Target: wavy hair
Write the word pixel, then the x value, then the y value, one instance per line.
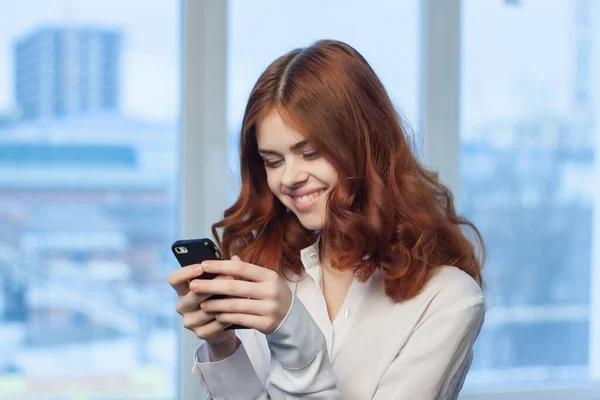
pixel 387 211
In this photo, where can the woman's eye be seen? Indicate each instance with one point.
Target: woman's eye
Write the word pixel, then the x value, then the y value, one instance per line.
pixel 272 164
pixel 310 155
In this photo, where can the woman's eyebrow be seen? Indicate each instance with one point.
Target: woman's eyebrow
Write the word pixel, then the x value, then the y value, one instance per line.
pixel 299 146
pixel 295 147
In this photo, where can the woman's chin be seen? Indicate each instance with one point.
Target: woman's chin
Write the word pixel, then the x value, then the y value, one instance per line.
pixel 311 222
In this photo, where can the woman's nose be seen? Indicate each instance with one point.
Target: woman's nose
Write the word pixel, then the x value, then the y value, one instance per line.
pixel 293 175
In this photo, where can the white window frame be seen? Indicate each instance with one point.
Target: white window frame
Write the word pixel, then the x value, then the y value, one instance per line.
pixel 594 337
pixel 205 173
pixel 204 170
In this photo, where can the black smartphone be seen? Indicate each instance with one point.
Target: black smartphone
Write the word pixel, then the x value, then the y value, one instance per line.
pixel 194 251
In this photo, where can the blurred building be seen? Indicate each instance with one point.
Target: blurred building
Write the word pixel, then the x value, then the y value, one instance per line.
pixel 67 70
pixel 85 224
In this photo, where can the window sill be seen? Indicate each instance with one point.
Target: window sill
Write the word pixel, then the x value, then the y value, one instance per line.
pixel 582 391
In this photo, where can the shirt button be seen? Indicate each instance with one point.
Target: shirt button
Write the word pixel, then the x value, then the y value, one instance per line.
pixel 348 313
pixel 313 255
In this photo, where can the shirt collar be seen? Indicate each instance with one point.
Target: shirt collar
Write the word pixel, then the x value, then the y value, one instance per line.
pixel 310 256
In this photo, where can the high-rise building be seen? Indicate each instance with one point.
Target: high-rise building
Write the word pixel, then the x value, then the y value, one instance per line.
pixel 65 71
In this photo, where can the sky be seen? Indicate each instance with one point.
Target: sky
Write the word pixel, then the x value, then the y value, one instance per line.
pixel 515 59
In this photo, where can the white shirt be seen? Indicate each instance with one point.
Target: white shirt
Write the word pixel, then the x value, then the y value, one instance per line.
pixel 417 349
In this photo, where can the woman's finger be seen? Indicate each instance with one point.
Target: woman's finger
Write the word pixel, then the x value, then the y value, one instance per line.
pixel 238 268
pixel 239 306
pixel 230 287
pixel 190 302
pixel 262 324
pixel 179 279
pixel 197 318
pixel 210 329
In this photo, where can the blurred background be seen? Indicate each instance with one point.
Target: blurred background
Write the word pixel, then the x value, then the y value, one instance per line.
pixel 90 138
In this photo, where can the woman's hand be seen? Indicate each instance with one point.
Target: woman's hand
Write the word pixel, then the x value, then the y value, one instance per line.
pixel 260 298
pixel 202 323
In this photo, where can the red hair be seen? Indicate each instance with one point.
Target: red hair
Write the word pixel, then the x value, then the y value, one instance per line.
pixel 386 205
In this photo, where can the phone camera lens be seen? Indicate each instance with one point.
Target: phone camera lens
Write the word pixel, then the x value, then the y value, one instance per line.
pixel 180 250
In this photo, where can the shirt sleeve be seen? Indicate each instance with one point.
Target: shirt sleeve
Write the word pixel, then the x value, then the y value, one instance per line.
pixel 434 362
pixel 232 378
pixel 299 366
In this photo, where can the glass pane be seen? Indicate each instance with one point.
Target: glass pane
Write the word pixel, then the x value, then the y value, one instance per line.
pixel 88 131
pixel 529 122
pixel 384 32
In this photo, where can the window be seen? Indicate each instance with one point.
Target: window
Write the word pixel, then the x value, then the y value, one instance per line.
pixel 89 95
pixel 529 125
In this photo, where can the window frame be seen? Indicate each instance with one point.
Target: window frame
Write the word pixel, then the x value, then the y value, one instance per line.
pixel 203 146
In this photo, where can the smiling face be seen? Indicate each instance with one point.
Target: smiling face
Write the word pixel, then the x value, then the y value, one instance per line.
pixel 296 174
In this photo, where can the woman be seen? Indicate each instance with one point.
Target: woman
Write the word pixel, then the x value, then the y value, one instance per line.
pixel 350 263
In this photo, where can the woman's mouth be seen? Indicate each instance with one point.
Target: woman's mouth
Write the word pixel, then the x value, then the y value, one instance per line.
pixel 305 202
